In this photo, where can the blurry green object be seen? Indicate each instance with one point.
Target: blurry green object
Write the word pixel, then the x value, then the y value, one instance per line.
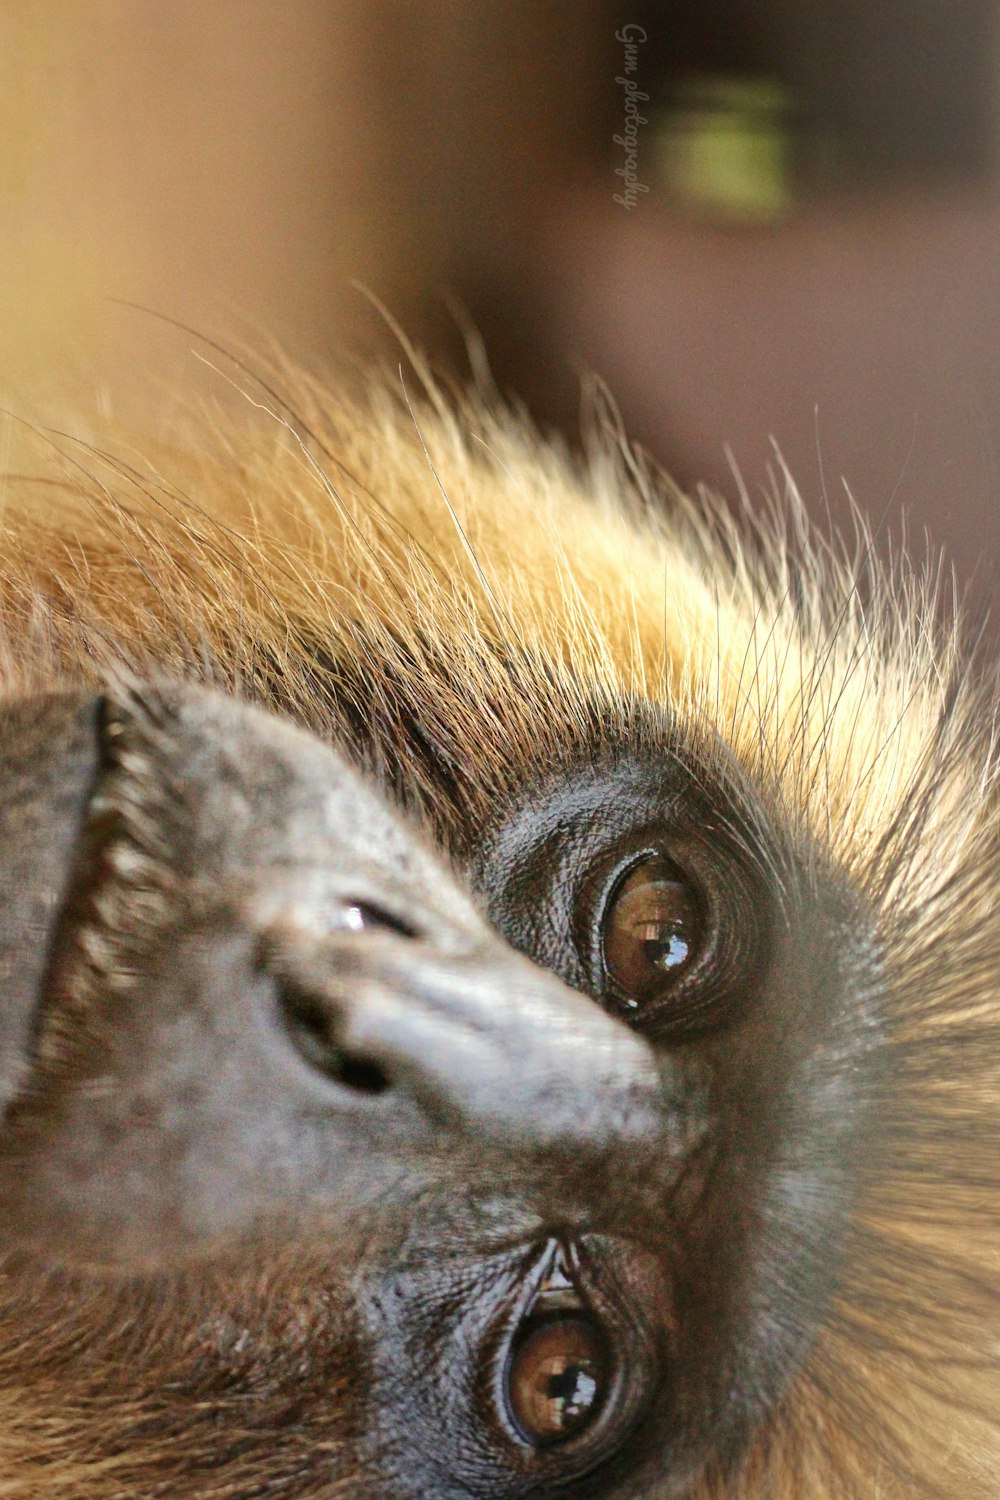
pixel 728 146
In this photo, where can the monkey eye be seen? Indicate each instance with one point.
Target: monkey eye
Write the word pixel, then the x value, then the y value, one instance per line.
pixel 557 1378
pixel 652 928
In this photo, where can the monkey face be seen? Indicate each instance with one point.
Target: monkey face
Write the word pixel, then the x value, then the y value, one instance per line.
pixel 267 1023
pixel 538 1167
pixel 581 1080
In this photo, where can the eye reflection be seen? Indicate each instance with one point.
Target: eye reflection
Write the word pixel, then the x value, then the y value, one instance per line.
pixel 557 1378
pixel 652 928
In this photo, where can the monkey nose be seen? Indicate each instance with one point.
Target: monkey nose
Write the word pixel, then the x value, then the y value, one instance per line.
pixel 483 1042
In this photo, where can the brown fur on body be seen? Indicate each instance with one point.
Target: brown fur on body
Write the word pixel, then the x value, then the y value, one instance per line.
pixel 454 598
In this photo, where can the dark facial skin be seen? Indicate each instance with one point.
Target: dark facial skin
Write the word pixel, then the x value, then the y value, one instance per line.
pixel 762 1008
pixel 251 1018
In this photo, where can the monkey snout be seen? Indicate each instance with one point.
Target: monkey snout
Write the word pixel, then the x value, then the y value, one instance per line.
pixel 262 1001
pixel 482 1042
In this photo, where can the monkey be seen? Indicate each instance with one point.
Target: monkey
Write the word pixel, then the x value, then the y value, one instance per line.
pixel 502 972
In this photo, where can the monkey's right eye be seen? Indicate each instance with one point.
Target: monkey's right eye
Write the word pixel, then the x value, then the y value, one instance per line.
pixel 674 948
pixel 652 929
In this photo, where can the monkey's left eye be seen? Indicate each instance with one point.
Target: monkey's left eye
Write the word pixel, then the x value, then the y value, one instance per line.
pixel 557 1379
pixel 651 930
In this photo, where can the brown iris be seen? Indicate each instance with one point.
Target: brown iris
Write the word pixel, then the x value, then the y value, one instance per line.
pixel 652 928
pixel 557 1378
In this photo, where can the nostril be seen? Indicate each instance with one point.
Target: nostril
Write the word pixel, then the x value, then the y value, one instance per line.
pixel 361 916
pixel 312 1025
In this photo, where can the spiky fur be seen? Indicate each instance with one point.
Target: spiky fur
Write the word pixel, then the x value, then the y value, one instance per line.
pixel 460 599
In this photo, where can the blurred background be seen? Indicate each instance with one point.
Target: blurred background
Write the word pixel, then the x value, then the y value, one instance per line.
pixel 771 227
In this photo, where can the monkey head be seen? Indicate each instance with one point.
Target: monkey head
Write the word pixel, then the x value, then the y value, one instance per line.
pixel 558 1174
pixel 511 1010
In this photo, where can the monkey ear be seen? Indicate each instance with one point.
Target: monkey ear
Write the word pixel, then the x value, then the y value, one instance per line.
pixel 49 752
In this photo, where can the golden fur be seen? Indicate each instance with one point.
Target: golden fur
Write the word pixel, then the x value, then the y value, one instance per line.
pixel 454 572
